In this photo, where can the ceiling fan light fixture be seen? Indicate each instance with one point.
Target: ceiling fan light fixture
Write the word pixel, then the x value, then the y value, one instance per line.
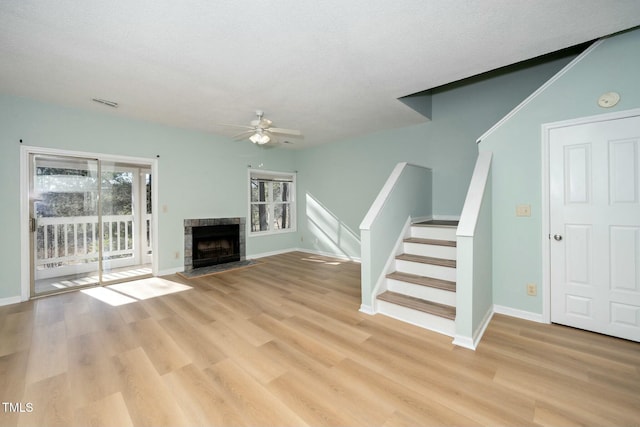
pixel 259 138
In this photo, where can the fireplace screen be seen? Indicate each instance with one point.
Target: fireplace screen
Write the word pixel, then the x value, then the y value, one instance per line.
pixel 215 244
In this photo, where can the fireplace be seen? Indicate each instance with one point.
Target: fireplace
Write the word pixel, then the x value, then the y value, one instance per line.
pixel 213 241
pixel 215 244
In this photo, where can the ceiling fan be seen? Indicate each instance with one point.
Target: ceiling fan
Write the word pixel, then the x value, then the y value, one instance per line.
pixel 261 132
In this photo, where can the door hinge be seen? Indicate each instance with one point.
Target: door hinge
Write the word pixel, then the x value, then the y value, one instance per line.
pixel 32 224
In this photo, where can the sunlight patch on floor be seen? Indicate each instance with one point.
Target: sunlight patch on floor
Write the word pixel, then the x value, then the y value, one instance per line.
pixel 149 288
pixel 137 290
pixel 108 296
pixel 321 261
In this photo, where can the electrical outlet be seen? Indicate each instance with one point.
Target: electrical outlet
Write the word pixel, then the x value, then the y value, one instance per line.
pixel 532 289
pixel 523 210
pixel 177 255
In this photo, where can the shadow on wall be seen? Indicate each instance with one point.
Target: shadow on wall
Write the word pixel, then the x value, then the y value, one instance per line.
pixel 330 235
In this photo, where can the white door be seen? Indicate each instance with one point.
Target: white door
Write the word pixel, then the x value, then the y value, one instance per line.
pixel 595 226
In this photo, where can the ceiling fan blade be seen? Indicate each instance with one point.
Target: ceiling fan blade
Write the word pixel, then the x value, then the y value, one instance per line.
pixel 242 135
pixel 276 140
pixel 234 126
pixel 283 131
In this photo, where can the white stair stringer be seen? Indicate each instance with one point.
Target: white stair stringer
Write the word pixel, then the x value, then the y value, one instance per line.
pixel 421 290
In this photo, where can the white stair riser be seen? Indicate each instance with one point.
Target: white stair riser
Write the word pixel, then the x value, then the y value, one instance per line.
pixel 418 318
pixel 435 251
pixel 423 292
pixel 438 233
pixel 426 270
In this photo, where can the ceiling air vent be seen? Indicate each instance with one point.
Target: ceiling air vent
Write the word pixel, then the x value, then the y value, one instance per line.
pixel 111 104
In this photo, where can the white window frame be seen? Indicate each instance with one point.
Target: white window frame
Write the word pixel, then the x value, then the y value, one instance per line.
pixel 275 176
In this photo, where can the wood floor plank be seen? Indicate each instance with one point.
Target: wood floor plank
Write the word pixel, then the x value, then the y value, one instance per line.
pixel 16 332
pixel 93 376
pixel 567 391
pixel 256 404
pixel 418 407
pixel 108 411
pixel 47 358
pixel 237 348
pixel 195 340
pixel 200 400
pixel 149 401
pixel 332 388
pixel 312 348
pixel 13 371
pixel 51 402
pixel 284 343
pixel 165 354
pixel 309 405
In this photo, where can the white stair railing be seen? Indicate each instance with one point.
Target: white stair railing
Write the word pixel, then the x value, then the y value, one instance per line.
pixel 406 194
pixel 474 300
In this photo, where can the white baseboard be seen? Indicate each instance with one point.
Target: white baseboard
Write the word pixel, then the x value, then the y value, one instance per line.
pixel 170 271
pixel 521 314
pixel 10 300
pixel 472 342
pixel 421 219
pixel 464 342
pixel 271 253
pixel 309 251
pixel 447 217
pixel 327 254
pixel 367 309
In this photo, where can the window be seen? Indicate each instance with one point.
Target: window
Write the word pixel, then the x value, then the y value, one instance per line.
pixel 271 202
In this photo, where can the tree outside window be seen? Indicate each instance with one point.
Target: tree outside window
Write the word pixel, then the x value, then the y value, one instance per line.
pixel 272 206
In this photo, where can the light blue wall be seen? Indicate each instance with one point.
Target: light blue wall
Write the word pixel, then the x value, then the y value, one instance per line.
pixel 200 175
pixel 517 163
pixel 345 177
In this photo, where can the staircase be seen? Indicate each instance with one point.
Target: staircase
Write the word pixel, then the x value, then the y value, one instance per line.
pixel 422 289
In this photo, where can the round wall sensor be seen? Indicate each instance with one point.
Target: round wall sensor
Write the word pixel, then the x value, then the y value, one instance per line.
pixel 609 99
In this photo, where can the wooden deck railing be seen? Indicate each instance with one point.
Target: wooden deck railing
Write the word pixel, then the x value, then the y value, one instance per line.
pixel 64 240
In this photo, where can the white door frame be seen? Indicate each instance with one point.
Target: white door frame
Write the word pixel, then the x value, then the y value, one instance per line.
pixel 25 247
pixel 545 203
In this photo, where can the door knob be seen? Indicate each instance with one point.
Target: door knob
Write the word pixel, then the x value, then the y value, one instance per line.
pixel 558 237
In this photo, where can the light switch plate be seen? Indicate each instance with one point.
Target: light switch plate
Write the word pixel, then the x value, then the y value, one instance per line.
pixel 523 210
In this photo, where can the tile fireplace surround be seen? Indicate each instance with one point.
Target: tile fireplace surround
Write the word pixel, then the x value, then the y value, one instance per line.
pixel 203 222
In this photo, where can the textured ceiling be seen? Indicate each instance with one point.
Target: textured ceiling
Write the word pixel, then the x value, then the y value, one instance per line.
pixel 333 69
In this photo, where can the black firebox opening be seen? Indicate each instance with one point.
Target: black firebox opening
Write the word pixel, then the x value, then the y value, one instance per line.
pixel 215 244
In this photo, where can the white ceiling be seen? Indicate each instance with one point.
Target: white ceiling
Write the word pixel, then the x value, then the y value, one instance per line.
pixel 331 68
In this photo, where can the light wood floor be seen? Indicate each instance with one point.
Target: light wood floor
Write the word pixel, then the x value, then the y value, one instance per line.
pixel 283 343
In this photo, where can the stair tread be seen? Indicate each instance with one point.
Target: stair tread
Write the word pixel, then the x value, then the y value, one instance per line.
pixel 436 223
pixel 427 260
pixel 431 282
pixel 430 241
pixel 434 308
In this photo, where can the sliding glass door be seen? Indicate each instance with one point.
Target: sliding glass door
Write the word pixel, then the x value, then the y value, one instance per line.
pixel 89 222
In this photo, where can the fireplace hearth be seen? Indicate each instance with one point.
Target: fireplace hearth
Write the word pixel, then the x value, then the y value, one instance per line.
pixel 213 241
